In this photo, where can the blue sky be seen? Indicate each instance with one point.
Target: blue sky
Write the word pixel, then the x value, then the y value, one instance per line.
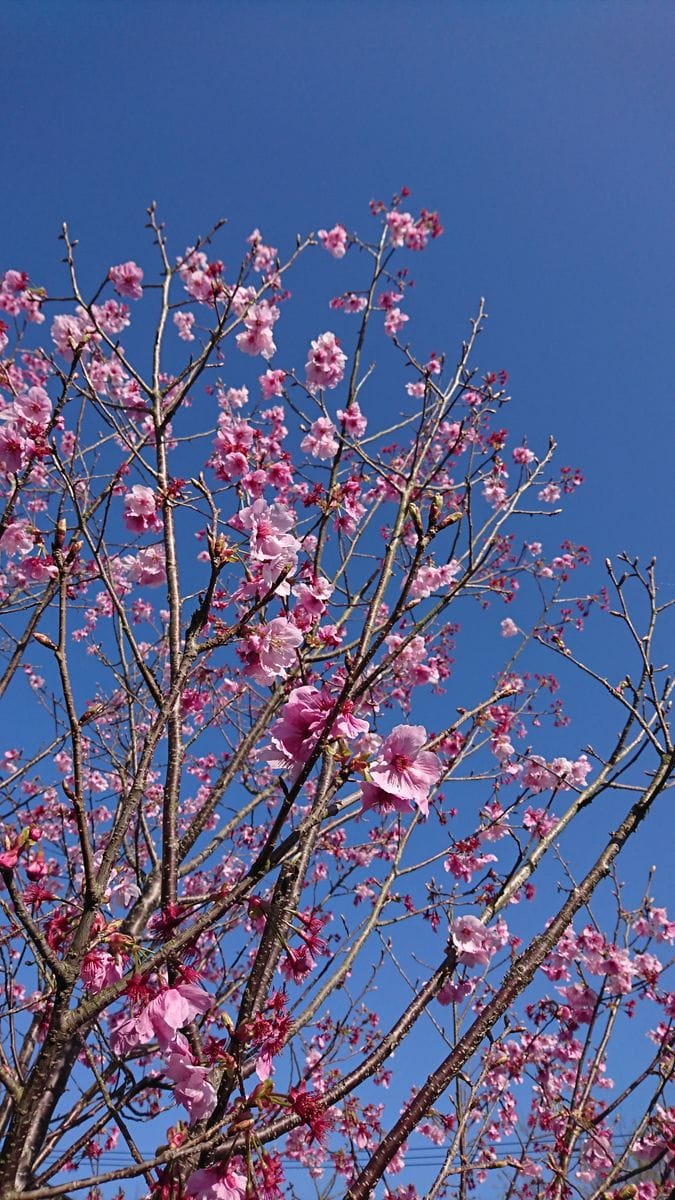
pixel 543 131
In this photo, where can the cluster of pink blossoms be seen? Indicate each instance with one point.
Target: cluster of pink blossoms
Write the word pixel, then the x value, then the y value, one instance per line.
pixel 161 1020
pixel 24 423
pixel 18 298
pixel 334 240
pixel 326 362
pixel 126 280
pixel 476 944
pixel 140 510
pixel 302 722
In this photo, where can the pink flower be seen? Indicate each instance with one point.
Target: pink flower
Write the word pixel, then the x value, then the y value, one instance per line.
pixel 400 225
pixel 403 769
pixel 416 389
pixel 550 493
pixel 455 993
pixel 302 722
pixel 508 628
pixel 33 408
pixel 99 968
pixel 271 650
pixel 218 1183
pixel 272 384
pixel 17 538
pixel 170 1010
pixel 264 257
pixel 334 240
pixel 354 303
pixel 112 316
pixel 477 944
pixel 353 420
pixel 148 568
pixel 184 322
pixel 192 1089
pixel 375 797
pixel 537 776
pixel 430 578
pixel 267 526
pixel 139 509
pixel 522 456
pixel 71 333
pixel 394 320
pixel 126 280
pixel 257 336
pixel 325 365
pixel 321 440
pixel 13 449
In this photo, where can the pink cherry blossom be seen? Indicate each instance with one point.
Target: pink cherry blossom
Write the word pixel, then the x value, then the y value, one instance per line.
pixel 271 649
pixel 148 568
pixel 184 322
pixel 112 317
pixel 32 408
pixel 72 333
pixel 550 493
pixel 430 578
pixel 18 538
pixel 476 944
pixel 321 440
pixel 302 722
pixel 99 968
pixel 268 527
pixel 257 337
pixel 334 240
pixel 140 509
pixel 126 280
pixel 536 775
pixel 509 628
pixel 353 420
pixel 13 450
pixel 272 384
pixel 192 1088
pixel 225 1183
pixel 325 365
pixel 394 321
pixel 403 769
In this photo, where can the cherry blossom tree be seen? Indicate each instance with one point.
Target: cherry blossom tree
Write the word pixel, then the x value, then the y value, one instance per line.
pixel 304 867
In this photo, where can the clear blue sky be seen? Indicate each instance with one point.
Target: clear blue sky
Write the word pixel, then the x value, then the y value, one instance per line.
pixel 543 131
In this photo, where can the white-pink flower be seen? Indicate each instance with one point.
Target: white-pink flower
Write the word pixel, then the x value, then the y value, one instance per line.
pixel 325 365
pixel 508 628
